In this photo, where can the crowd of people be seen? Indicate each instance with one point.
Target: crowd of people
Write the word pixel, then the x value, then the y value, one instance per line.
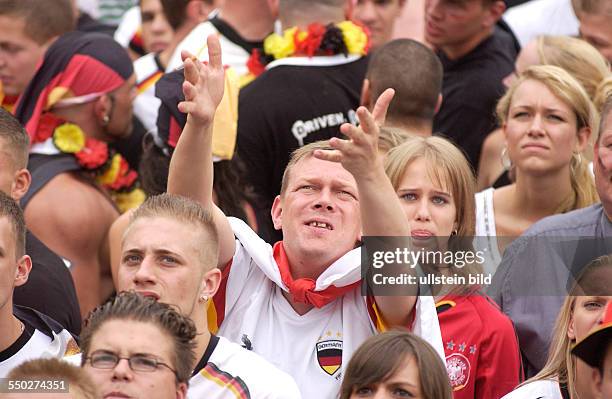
pixel 192 193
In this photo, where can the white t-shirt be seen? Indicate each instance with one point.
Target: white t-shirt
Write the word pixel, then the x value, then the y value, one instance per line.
pixel 544 389
pixel 41 338
pixel 146 106
pixel 234 56
pixel 542 17
pixel 232 372
pixel 313 348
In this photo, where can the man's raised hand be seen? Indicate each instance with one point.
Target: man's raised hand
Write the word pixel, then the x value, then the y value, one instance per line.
pixel 203 85
pixel 359 153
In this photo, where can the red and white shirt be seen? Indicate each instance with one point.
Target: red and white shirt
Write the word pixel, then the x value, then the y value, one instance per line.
pixel 482 353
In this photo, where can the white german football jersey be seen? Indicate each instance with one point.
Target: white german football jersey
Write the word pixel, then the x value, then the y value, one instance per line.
pixel 227 371
pixel 42 337
pixel 250 309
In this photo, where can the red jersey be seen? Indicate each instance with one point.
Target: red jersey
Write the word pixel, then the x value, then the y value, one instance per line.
pixel 482 353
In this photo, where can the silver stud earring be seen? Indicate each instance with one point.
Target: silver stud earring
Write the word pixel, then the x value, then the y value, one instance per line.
pixel 204 298
pixel 105 120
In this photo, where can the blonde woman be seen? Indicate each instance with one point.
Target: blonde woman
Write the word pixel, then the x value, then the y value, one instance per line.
pixel 564 375
pixel 435 184
pixel 547 119
pixel 577 57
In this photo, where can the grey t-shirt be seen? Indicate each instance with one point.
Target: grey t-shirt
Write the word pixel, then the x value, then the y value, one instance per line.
pixel 538 270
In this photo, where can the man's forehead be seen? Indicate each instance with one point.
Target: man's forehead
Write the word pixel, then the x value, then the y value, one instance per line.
pixel 311 168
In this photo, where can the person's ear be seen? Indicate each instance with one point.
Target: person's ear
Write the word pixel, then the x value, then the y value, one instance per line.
pixel 101 109
pixel 277 213
pixel 366 96
pixel 438 104
pixel 597 379
pixel 21 184
pixel 24 266
pixel 494 12
pixel 181 391
pixel 571 334
pixel 584 135
pixel 211 280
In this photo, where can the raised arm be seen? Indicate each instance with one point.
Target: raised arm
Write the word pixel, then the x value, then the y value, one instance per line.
pixel 381 211
pixel 191 166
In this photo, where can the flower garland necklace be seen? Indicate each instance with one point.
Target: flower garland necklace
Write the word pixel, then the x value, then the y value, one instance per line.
pixel 345 38
pixel 107 167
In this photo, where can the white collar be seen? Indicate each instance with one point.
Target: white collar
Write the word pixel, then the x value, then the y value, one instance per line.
pixel 324 60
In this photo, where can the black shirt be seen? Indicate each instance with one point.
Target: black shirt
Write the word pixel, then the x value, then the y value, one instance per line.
pixel 285 108
pixel 49 288
pixel 471 87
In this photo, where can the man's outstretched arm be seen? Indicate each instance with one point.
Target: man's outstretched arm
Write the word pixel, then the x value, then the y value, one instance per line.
pixel 191 166
pixel 381 211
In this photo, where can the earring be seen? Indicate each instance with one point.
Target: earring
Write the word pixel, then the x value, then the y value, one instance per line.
pixel 203 298
pixel 505 160
pixel 454 232
pixel 105 120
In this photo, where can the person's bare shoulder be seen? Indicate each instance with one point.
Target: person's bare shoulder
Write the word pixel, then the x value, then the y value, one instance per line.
pixel 69 214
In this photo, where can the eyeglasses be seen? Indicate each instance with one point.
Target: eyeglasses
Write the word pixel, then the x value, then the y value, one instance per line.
pixel 108 360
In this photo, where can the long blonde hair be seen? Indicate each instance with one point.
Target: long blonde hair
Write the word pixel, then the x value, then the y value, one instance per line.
pixel 570 91
pixel 561 363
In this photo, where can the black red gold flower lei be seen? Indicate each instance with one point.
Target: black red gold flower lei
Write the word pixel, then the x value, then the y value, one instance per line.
pixel 108 168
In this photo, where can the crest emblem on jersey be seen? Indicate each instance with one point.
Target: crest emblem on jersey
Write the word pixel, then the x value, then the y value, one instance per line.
pixel 329 355
pixel 458 370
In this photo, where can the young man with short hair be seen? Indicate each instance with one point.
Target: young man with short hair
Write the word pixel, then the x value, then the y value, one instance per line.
pixel 476 55
pixel 26 333
pixel 169 253
pixel 136 347
pixel 415 73
pixel 379 17
pixel 27 29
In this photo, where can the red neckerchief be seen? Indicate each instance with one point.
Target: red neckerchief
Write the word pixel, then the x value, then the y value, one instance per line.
pixel 302 290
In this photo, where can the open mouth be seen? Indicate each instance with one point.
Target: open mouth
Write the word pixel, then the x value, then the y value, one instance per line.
pixel 320 225
pixel 149 294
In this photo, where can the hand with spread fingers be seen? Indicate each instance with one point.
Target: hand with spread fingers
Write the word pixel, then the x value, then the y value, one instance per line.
pixel 203 85
pixel 359 154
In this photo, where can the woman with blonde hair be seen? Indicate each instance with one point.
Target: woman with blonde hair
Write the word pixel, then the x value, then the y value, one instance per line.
pixel 435 184
pixel 547 119
pixel 564 375
pixel 395 364
pixel 577 57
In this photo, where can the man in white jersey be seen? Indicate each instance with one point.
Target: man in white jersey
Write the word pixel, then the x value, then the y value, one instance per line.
pixel 169 252
pixel 155 341
pixel 299 304
pixel 24 333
